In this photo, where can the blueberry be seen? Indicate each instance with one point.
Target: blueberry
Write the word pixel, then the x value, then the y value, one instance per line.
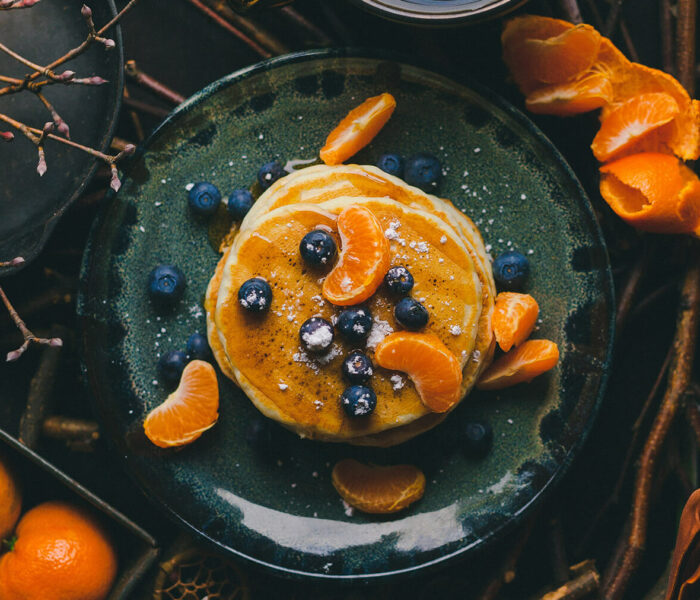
pixel 204 198
pixel 166 284
pixel 269 173
pixel 410 313
pixel 354 324
pixel 399 280
pixel 423 171
pixel 170 367
pixel 357 367
pixel 478 437
pixel 510 270
pixel 317 247
pixel 316 334
pixel 198 347
pixel 358 400
pixel 239 203
pixel 255 295
pixel 392 164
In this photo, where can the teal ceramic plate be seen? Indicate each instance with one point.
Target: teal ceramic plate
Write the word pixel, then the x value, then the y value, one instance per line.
pixel 278 508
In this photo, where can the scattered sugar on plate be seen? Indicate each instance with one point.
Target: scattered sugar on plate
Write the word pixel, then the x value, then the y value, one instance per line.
pixel 189 186
pixel 349 510
pixel 456 330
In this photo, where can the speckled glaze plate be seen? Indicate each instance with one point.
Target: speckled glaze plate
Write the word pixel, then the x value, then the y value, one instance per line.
pixel 278 509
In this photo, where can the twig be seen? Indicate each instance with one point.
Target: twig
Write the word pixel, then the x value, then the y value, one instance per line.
pixel 224 24
pixel 250 27
pixel 29 337
pixel 584 584
pixel 692 411
pixel 571 11
pixel 152 84
pixel 629 44
pixel 666 25
pixel 69 429
pixel 40 388
pixel 302 22
pixel 145 108
pixel 506 573
pixel 685 44
pixel 135 119
pixel 681 366
pixel 630 290
pixel 557 548
pixel 645 303
pixel 613 16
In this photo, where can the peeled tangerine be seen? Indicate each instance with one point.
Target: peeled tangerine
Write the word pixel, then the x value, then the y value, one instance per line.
pixel 434 370
pixel 189 411
pixel 524 363
pixel 357 129
pixel 514 318
pixel 375 489
pixel 364 258
pixel 653 192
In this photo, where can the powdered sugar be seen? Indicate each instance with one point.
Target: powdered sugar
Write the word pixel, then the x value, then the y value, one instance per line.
pixel 380 329
pixel 397 381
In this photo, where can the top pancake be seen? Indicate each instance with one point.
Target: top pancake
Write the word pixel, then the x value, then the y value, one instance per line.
pixel 263 353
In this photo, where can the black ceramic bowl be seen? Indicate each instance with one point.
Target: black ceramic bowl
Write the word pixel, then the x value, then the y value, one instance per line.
pixel 41 482
pixel 439 12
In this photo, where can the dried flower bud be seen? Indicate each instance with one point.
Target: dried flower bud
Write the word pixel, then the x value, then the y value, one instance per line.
pixel 63 128
pixel 90 80
pixel 115 183
pixel 129 149
pixel 28 3
pixel 15 354
pixel 6 3
pixel 41 168
pixel 18 260
pixel 7 136
pixel 108 43
pixel 66 76
pixel 56 342
pixel 48 127
pixel 86 11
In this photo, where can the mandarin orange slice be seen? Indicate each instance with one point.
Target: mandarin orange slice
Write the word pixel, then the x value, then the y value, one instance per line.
pixel 540 50
pixel 434 370
pixel 189 411
pixel 514 318
pixel 654 192
pixel 375 489
pixel 357 129
pixel 363 261
pixel 631 121
pixel 521 364
pixel 572 98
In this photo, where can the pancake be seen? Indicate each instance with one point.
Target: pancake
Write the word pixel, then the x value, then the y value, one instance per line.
pixel 300 391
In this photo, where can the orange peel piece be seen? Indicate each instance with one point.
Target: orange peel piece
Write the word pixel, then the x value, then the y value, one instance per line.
pixel 653 192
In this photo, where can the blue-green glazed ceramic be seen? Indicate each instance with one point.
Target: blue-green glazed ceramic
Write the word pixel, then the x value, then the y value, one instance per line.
pixel 276 507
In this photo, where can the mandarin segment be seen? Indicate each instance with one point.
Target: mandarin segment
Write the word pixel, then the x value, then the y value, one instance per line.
pixel 363 260
pixel 378 489
pixel 521 364
pixel 434 370
pixel 357 129
pixel 631 121
pixel 189 411
pixel 654 192
pixel 10 500
pixel 514 318
pixel 572 98
pixel 60 552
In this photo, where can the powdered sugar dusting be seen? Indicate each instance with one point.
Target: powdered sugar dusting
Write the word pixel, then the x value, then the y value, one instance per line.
pixel 380 329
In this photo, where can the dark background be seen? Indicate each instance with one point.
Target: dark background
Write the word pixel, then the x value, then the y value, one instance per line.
pixel 176 43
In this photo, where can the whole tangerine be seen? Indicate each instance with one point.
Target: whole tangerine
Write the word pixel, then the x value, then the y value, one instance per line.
pixel 10 500
pixel 59 551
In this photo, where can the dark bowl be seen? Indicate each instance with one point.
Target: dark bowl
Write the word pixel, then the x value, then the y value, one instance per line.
pixel 439 12
pixel 41 482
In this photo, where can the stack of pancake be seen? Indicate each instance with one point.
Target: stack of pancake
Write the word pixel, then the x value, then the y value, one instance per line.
pixel 261 352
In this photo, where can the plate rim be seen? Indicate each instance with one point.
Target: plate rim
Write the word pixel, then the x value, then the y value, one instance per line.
pixel 47 226
pixel 608 290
